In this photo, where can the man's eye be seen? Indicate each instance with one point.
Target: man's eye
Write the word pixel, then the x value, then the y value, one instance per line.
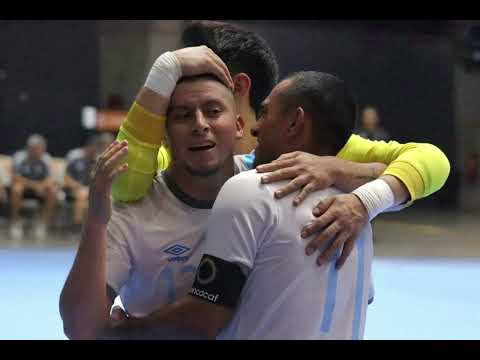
pixel 181 115
pixel 214 111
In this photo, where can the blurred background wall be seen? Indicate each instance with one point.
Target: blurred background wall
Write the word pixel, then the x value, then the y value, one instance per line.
pixel 50 69
pixel 406 71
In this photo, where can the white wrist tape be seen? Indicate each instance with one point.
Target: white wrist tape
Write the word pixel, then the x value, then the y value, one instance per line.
pixel 376 196
pixel 165 73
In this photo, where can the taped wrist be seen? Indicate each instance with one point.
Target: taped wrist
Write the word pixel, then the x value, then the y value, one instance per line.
pixel 376 196
pixel 164 74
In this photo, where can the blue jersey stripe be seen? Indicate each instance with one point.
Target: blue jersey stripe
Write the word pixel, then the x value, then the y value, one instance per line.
pixel 248 160
pixel 331 296
pixel 359 289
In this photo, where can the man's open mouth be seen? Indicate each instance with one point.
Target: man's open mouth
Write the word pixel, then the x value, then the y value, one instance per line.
pixel 202 147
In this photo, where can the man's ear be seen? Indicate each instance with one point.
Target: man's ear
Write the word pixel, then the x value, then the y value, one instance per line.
pixel 165 139
pixel 242 84
pixel 240 125
pixel 296 122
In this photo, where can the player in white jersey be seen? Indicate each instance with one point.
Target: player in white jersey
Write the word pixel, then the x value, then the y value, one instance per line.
pixel 254 280
pixel 202 125
pixel 155 245
pixel 286 296
pixel 312 112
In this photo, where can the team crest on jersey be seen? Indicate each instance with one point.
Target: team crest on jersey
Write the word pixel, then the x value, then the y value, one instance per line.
pixel 177 250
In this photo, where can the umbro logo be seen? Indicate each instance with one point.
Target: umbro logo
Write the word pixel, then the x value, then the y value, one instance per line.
pixel 177 250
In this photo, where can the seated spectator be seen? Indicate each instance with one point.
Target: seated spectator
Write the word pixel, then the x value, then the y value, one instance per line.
pixel 5 168
pixel 370 127
pixel 80 162
pixel 3 193
pixel 79 165
pixel 32 178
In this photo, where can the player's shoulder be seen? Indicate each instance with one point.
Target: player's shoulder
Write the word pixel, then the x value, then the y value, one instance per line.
pixel 246 188
pixel 246 179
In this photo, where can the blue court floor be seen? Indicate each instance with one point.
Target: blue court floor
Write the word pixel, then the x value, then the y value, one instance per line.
pixel 426 274
pixel 422 298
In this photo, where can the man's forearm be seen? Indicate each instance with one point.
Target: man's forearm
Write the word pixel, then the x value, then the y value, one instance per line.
pixel 400 191
pixel 154 98
pixel 152 101
pixel 140 330
pixel 144 129
pixel 423 168
pixel 188 318
pixel 351 175
pixel 84 305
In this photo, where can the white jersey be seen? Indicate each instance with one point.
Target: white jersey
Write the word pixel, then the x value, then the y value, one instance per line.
pixel 155 246
pixel 286 295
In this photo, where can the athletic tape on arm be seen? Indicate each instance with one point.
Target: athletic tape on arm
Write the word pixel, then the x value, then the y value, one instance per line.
pixel 164 74
pixel 376 196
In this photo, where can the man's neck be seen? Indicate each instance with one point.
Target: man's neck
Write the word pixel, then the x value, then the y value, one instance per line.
pixel 201 188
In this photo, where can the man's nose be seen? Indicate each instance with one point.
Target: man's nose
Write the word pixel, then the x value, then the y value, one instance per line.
pixel 201 124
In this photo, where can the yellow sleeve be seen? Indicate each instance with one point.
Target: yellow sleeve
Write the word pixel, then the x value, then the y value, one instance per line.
pixel 164 158
pixel 144 132
pixel 423 168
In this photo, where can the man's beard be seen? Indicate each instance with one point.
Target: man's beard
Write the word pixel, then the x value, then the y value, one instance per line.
pixel 203 172
pixel 208 172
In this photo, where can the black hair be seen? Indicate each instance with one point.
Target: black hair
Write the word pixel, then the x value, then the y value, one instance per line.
pixel 328 101
pixel 241 50
pixel 200 77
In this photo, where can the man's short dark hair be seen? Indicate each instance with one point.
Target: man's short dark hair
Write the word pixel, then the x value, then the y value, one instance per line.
pixel 328 101
pixel 241 50
pixel 199 77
